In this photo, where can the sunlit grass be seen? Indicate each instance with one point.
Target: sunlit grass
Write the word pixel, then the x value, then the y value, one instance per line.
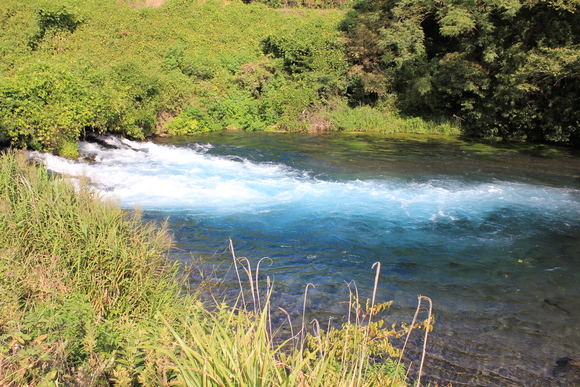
pixel 388 121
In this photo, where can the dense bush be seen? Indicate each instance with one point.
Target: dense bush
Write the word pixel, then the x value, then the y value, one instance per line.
pixel 506 69
pixel 71 67
pixel 48 105
pixel 105 66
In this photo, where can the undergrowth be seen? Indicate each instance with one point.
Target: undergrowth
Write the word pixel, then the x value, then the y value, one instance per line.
pixel 88 297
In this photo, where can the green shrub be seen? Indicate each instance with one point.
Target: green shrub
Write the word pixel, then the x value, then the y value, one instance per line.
pixel 192 120
pixel 59 18
pixel 43 105
pixel 69 150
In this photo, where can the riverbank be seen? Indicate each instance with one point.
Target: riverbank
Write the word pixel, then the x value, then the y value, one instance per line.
pixel 129 68
pixel 89 297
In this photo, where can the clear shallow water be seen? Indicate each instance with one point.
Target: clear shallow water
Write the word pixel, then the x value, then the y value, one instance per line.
pixel 490 234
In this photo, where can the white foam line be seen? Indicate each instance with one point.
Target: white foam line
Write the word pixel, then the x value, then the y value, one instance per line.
pixel 161 176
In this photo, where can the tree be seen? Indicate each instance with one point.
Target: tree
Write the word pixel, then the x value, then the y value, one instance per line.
pixel 47 105
pixel 504 68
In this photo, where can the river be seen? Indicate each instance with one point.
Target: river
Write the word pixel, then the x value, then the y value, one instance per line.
pixel 489 231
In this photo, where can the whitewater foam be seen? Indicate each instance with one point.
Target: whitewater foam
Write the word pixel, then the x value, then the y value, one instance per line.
pixel 162 177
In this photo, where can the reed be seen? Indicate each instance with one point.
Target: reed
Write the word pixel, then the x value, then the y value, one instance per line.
pixel 356 354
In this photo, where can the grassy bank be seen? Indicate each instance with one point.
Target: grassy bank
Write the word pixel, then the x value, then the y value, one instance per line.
pixel 88 297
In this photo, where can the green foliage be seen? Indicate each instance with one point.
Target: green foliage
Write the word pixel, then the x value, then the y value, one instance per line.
pixel 302 70
pixel 138 95
pixel 69 150
pixel 230 347
pixel 290 101
pixel 311 47
pixel 70 67
pixel 198 65
pixel 47 105
pixel 53 21
pixel 497 67
pixel 317 4
pixel 80 280
pixel 56 341
pixel 45 222
pixel 456 21
pixel 311 60
pixel 193 120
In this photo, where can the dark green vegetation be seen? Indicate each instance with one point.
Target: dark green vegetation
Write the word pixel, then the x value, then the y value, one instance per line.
pixel 88 297
pixel 505 69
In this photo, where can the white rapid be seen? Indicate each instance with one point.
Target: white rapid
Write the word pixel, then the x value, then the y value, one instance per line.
pixel 189 179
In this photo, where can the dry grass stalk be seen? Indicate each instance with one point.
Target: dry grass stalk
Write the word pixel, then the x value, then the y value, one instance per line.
pixel 427 328
pixel 238 273
pixel 303 329
pixel 352 375
pixel 257 282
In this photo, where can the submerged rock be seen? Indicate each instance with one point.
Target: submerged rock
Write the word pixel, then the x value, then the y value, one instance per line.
pixel 568 369
pixel 554 303
pixel 106 141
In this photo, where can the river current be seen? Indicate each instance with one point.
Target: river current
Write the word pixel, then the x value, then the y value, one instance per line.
pixel 490 232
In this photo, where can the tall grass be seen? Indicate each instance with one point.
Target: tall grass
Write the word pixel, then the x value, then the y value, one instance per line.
pixel 93 246
pixel 89 298
pixel 75 274
pixel 232 347
pixel 368 119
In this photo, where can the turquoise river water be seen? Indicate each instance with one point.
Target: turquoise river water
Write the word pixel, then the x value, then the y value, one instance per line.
pixel 490 232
